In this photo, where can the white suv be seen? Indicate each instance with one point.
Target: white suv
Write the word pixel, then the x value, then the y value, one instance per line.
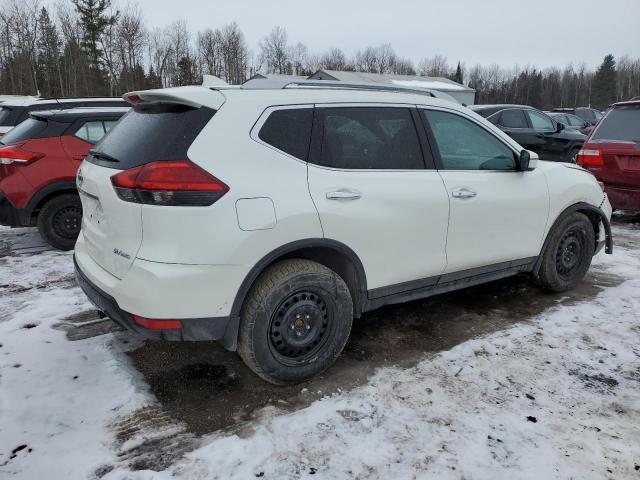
pixel 268 219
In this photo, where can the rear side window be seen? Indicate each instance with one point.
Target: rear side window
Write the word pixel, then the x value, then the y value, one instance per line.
pixel 151 133
pixel 463 145
pixel 513 119
pixel 34 128
pixel 92 132
pixel 289 130
pixel 621 123
pixel 369 138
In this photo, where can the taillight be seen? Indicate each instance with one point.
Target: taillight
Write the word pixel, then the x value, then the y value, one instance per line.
pixel 133 98
pixel 590 158
pixel 15 154
pixel 170 183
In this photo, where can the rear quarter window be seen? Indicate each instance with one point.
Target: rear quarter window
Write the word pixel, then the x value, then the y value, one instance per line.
pixel 289 130
pixel 151 133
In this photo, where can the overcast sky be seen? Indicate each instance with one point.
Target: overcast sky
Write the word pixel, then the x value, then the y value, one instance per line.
pixel 507 32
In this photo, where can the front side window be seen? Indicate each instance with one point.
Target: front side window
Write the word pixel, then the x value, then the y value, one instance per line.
pixel 540 121
pixel 513 119
pixel 597 114
pixel 91 132
pixel 464 145
pixel 369 138
pixel 586 114
pixel 289 130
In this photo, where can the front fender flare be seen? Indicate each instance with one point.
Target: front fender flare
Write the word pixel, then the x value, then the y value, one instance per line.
pixel 581 206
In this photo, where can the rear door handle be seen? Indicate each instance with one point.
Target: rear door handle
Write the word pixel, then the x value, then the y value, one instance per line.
pixel 79 158
pixel 343 194
pixel 463 193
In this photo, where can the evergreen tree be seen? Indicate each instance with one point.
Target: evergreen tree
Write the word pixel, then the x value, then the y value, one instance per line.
pixel 458 76
pixel 604 90
pixel 48 56
pixel 94 18
pixel 185 72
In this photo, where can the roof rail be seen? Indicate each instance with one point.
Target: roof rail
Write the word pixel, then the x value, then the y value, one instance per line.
pixel 276 84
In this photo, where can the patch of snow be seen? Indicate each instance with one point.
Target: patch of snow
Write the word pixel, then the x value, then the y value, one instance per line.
pixel 432 84
pixel 554 397
pixel 557 397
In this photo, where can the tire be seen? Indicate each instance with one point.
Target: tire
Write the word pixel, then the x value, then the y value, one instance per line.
pixel 59 221
pixel 295 321
pixel 573 155
pixel 567 256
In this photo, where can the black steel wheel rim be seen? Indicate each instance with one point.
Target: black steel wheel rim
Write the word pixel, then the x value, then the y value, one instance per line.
pixel 300 327
pixel 569 254
pixel 67 222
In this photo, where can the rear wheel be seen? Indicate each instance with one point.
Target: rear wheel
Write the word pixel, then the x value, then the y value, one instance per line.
pixel 295 321
pixel 59 221
pixel 567 256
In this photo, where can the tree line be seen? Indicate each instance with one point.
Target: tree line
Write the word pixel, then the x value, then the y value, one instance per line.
pixel 91 47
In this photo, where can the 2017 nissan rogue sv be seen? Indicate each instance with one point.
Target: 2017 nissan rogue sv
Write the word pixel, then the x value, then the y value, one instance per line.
pixel 268 219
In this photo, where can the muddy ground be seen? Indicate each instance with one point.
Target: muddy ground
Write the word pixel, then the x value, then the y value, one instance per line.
pixel 208 388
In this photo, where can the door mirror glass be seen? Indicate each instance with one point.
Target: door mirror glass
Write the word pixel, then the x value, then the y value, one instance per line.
pixel 525 159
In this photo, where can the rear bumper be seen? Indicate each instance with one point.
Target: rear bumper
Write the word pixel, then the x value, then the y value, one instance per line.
pixel 11 216
pixel 623 198
pixel 223 329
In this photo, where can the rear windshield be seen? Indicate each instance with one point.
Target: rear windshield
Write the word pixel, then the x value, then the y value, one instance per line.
pixel 151 133
pixel 621 123
pixel 5 114
pixel 34 128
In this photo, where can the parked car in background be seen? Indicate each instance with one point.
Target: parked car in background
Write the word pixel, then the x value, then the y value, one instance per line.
pixel 16 111
pixel 612 154
pixel 572 122
pixel 588 114
pixel 38 163
pixel 534 130
pixel 268 218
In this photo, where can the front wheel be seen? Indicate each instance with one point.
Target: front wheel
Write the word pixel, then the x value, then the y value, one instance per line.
pixel 59 221
pixel 567 256
pixel 295 321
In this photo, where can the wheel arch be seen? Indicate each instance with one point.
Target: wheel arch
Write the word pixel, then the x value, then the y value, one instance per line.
pixel 595 216
pixel 330 253
pixel 47 193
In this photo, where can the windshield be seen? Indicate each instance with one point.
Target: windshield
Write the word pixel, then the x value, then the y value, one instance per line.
pixel 622 123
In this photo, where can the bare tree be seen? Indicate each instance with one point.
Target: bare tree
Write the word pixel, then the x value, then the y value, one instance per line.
pixel 274 52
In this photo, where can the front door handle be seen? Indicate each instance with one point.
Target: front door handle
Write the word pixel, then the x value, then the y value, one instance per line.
pixel 343 194
pixel 463 193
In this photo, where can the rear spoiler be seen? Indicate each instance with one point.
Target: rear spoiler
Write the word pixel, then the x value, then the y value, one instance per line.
pixel 191 96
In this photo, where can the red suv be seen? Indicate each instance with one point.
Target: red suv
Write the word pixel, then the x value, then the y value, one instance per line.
pixel 38 163
pixel 612 154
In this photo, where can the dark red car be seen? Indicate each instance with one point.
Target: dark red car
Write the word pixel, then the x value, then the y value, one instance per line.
pixel 38 163
pixel 612 154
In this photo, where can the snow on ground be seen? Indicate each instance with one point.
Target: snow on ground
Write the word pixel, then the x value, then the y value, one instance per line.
pixel 555 397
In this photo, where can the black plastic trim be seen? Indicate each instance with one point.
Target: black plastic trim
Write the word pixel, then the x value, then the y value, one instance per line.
pixel 447 282
pixel 10 216
pixel 289 248
pixel 66 186
pixel 193 329
pixel 581 206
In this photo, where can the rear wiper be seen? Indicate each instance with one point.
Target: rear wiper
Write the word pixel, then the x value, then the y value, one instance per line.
pixel 103 156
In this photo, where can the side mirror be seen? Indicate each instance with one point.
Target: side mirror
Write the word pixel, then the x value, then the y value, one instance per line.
pixel 527 161
pixel 559 127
